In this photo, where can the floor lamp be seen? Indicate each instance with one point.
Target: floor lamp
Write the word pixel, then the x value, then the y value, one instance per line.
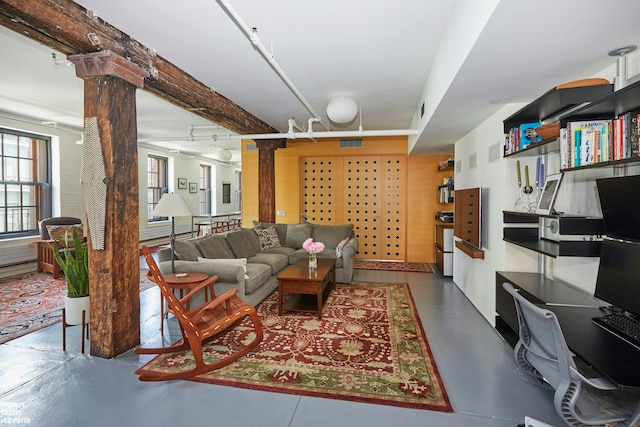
pixel 172 205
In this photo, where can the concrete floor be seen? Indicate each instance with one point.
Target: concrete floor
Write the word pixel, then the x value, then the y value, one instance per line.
pixel 44 386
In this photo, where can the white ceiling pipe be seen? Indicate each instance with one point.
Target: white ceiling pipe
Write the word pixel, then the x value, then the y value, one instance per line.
pixel 253 37
pixel 331 134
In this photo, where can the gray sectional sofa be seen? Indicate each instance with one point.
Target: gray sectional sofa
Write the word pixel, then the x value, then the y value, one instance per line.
pixel 249 259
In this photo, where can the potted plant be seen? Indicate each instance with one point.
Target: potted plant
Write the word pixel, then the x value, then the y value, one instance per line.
pixel 75 265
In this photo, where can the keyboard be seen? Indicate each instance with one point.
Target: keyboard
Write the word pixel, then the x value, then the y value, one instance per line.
pixel 625 327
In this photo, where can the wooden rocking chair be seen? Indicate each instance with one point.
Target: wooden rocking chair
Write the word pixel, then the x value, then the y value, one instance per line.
pixel 200 324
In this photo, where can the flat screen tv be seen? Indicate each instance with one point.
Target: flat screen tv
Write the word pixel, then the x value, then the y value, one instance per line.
pixel 620 203
pixel 618 274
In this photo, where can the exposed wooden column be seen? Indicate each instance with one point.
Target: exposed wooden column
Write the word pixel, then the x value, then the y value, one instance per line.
pixel 267 178
pixel 110 83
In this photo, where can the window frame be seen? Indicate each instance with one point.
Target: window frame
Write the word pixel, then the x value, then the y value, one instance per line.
pixel 205 192
pixel 40 181
pixel 155 192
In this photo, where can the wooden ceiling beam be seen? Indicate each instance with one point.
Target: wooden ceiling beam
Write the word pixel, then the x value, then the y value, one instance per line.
pixel 67 27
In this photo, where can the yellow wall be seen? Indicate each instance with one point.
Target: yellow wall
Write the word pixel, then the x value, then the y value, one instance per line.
pixel 423 179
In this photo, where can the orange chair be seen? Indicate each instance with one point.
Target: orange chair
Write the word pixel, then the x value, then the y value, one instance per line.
pixel 200 324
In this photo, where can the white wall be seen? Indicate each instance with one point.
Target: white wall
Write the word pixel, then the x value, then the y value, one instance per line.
pixel 67 190
pixel 497 178
pixel 188 167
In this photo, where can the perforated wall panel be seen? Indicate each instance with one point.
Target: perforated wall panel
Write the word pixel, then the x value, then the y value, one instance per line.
pixel 318 198
pixel 366 191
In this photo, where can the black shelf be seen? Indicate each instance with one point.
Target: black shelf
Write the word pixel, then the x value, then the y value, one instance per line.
pixel 554 102
pixel 607 107
pixel 529 237
pixel 538 148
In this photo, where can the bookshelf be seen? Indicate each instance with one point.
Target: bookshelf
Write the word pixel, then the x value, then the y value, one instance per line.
pixel 551 104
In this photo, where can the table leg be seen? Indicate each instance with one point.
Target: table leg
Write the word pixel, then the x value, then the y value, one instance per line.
pixel 319 296
pixel 279 299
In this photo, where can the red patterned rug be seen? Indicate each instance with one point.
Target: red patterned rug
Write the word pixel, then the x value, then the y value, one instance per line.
pixel 31 302
pixel 417 267
pixel 368 347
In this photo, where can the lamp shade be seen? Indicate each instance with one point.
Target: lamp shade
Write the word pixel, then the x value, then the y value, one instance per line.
pixel 171 204
pixel 342 109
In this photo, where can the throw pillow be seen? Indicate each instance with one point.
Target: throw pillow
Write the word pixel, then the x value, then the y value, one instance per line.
pixel 340 247
pixel 214 246
pixel 231 261
pixel 240 245
pixel 331 235
pixel 268 237
pixel 186 251
pixel 63 234
pixel 297 234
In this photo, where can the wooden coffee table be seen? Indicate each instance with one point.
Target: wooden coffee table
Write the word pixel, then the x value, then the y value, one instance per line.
pixel 307 289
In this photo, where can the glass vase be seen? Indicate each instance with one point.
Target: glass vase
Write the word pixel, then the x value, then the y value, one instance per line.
pixel 313 261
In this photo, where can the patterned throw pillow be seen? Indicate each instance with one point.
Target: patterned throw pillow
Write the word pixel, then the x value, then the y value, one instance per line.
pixel 63 234
pixel 268 237
pixel 340 247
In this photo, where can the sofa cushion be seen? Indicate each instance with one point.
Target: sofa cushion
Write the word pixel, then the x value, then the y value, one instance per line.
pixel 297 234
pixel 252 236
pixel 331 235
pixel 268 237
pixel 240 244
pixel 186 250
pixel 280 228
pixel 284 250
pixel 242 262
pixel 276 261
pixel 214 246
pixel 258 275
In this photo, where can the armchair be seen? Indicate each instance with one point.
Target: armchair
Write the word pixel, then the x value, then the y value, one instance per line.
pixel 46 261
pixel 581 398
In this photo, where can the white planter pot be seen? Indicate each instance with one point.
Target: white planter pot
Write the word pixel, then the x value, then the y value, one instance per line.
pixel 73 307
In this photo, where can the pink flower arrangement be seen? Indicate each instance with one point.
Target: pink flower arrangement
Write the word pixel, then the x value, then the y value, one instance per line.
pixel 312 247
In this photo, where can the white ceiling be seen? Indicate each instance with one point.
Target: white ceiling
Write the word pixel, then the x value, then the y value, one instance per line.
pixel 381 53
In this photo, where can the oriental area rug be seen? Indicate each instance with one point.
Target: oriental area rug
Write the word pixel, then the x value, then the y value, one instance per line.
pixel 31 302
pixel 417 267
pixel 369 347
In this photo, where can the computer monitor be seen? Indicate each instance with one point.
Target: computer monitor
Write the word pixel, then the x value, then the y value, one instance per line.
pixel 618 275
pixel 620 203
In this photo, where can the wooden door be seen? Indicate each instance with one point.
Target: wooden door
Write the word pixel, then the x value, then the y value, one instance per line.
pixel 366 191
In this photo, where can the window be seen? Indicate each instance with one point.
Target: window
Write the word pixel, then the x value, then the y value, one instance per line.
pixel 156 184
pixel 25 177
pixel 205 190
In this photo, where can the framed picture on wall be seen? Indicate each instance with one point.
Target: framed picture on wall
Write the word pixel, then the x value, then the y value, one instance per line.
pixel 182 183
pixel 226 192
pixel 193 187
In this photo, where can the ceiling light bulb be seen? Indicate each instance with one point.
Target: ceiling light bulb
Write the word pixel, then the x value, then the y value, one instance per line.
pixel 342 109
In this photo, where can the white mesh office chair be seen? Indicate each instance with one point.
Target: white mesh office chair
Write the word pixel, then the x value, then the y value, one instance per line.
pixel 580 400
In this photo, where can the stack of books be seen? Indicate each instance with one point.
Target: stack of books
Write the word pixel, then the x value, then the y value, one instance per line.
pixel 583 143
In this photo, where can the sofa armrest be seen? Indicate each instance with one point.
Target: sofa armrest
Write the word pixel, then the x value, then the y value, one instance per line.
pixel 227 273
pixel 349 252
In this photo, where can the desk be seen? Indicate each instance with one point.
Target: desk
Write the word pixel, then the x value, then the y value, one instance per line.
pixel 183 283
pixel 611 356
pixel 219 223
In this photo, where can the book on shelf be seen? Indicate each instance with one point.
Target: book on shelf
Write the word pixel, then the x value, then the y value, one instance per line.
pixel 584 143
pixel 521 137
